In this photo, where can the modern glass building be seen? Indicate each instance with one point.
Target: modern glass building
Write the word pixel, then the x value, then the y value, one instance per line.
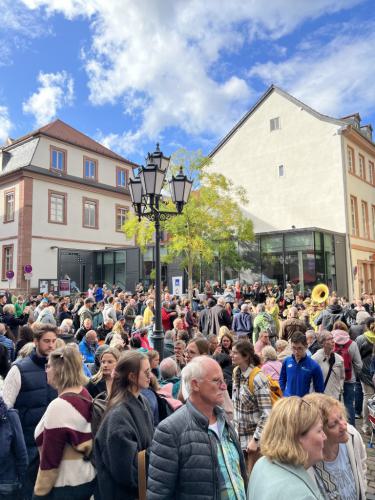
pixel 303 257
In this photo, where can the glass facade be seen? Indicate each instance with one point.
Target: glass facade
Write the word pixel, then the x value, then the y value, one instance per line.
pixel 303 258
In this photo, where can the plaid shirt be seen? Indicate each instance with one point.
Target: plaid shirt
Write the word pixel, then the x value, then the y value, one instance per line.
pixel 250 411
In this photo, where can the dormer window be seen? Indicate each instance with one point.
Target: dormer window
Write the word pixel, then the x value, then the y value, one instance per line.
pixel 90 169
pixel 58 160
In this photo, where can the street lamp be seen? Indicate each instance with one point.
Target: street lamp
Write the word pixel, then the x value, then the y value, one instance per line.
pixel 145 191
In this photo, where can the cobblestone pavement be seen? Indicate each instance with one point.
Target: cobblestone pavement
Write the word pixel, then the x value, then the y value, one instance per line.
pixel 370 463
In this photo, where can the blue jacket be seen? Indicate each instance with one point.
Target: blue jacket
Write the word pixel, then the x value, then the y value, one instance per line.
pixel 13 454
pixel 295 378
pixel 9 345
pixel 87 351
pixel 242 323
pixel 35 394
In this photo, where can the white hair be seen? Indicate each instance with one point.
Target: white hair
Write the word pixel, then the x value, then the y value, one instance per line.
pixel 221 301
pixel 193 370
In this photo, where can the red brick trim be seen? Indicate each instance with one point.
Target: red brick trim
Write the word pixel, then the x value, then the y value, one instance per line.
pixel 25 211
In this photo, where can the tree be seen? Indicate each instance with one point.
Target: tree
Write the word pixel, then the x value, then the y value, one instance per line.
pixel 212 221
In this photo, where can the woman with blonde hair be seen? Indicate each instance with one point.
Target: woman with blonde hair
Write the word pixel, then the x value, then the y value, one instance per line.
pixel 63 435
pixel 292 441
pixel 101 382
pixel 138 323
pixel 342 471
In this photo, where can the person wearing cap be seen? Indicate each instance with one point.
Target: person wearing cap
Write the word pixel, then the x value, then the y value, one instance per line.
pixel 349 351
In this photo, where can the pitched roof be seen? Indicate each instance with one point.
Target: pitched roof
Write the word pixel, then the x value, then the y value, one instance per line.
pixel 65 133
pixel 267 93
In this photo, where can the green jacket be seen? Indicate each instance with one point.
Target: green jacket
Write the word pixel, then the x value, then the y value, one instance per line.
pixel 274 480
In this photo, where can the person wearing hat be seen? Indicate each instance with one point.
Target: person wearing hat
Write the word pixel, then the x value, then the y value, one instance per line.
pixel 349 351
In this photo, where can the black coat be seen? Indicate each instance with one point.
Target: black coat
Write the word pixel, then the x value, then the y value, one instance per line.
pixel 126 430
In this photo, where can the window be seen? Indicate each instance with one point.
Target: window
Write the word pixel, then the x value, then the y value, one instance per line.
pixel 7 260
pixel 354 215
pixel 57 207
pixel 351 166
pixel 121 215
pixel 58 160
pixel 281 170
pixel 371 173
pixel 90 169
pixel 362 171
pixel 275 124
pixel 373 221
pixel 365 224
pixel 90 213
pixel 121 177
pixel 9 205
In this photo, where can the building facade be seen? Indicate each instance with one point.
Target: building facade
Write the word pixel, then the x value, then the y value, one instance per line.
pixel 62 194
pixel 306 173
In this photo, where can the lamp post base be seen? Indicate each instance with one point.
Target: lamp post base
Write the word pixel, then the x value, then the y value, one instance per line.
pixel 158 342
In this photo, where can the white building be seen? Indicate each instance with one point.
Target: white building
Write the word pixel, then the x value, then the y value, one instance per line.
pixel 60 191
pixel 310 181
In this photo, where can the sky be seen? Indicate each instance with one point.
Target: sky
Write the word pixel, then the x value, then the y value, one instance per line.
pixel 179 72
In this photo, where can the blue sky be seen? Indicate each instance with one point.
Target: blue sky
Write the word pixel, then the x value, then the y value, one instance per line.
pixel 177 71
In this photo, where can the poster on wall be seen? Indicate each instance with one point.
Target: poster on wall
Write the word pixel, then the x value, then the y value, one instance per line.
pixel 177 285
pixel 53 286
pixel 43 286
pixel 64 288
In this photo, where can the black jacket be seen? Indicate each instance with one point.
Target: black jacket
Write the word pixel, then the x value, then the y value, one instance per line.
pixel 126 430
pixel 183 460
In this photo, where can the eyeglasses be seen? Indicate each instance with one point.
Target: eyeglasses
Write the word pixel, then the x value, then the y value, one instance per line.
pixel 218 381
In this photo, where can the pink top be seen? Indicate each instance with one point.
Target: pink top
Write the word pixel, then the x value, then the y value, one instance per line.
pixel 273 369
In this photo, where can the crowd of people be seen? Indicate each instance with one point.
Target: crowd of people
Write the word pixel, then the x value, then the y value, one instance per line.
pixel 256 391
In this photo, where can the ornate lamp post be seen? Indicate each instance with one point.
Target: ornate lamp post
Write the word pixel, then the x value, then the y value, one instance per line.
pixel 145 191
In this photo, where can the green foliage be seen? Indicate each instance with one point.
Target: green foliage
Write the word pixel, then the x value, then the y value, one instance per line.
pixel 212 222
pixel 142 231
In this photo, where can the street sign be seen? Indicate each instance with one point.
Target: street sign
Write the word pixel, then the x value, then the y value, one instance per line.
pixel 28 276
pixel 10 275
pixel 27 268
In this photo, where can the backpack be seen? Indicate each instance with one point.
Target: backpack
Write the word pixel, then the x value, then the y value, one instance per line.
pixel 275 391
pixel 343 350
pixel 98 407
pixel 164 408
pixel 270 325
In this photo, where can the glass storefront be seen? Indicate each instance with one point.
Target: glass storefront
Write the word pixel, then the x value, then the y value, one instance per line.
pixel 303 258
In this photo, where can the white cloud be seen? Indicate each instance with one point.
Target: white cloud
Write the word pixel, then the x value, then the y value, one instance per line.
pixel 335 78
pixel 5 124
pixel 158 58
pixel 55 91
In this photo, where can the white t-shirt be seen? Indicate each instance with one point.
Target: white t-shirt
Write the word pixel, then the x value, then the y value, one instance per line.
pixel 342 475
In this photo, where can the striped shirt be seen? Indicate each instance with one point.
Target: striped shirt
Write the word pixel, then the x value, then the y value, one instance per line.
pixel 250 411
pixel 64 439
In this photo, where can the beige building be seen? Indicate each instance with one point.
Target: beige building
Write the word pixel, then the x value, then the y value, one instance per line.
pixel 59 190
pixel 311 187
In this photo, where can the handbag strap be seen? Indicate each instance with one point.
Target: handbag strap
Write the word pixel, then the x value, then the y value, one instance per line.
pixel 142 489
pixel 331 362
